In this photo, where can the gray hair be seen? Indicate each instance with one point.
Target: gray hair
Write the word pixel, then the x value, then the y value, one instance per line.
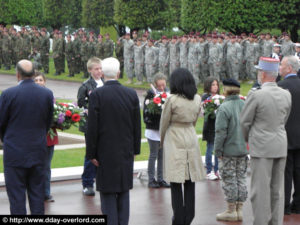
pixel 159 76
pixel 110 67
pixel 293 61
pixel 272 74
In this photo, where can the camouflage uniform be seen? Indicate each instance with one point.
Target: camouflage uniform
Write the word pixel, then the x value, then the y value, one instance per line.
pixel 76 46
pixel 139 59
pixel 203 58
pixel 84 58
pixel 108 49
pixel 287 48
pixel 251 56
pixel 99 50
pixel 14 50
pixel 57 51
pixel 151 62
pixel 267 48
pixel 91 49
pixel 163 58
pixel 174 57
pixel 233 171
pixel 27 46
pixel 128 57
pixel 215 57
pixel 119 50
pixel 19 47
pixel 62 54
pixel 183 54
pixel 70 56
pixel 193 60
pixel 6 51
pixel 1 55
pixel 44 50
pixel 233 59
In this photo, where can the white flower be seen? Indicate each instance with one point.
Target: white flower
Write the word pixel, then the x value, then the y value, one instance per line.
pixel 216 97
pixel 159 104
pixel 222 97
pixel 217 102
pixel 163 99
pixel 157 95
pixel 147 102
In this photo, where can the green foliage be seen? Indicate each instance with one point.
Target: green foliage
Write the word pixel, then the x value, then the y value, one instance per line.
pixel 97 13
pixel 141 13
pixel 21 12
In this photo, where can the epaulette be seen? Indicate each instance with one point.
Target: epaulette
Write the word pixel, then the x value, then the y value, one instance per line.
pixel 255 88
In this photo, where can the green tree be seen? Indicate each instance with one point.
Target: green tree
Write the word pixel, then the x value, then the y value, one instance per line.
pixel 54 11
pixel 199 15
pixel 141 14
pixel 289 16
pixel 97 13
pixel 73 14
pixel 21 12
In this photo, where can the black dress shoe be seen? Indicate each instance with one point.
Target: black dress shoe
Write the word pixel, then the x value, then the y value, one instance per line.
pixel 49 199
pixel 164 184
pixel 287 211
pixel 295 211
pixel 153 184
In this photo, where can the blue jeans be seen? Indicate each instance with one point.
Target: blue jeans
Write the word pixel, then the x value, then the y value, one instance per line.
pixel 89 173
pixel 50 151
pixel 208 156
pixel 156 153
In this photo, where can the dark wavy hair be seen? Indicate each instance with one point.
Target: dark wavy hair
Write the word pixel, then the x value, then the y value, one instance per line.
pixel 182 83
pixel 208 83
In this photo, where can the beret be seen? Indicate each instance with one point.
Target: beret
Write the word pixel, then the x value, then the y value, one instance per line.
pixel 231 82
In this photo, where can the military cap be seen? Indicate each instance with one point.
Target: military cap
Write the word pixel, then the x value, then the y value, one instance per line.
pixel 174 37
pixel 297 45
pixel 197 33
pixel 221 36
pixel 243 34
pixel 100 35
pixel 151 40
pixel 214 36
pixel 164 37
pixel 268 64
pixel 145 35
pixel 231 82
pixel 254 36
pixel 91 32
pixel 134 32
pixel 107 34
pixel 276 45
pixel 186 36
pixel 208 35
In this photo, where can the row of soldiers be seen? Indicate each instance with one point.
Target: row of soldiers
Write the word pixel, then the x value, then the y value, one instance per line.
pixel 219 55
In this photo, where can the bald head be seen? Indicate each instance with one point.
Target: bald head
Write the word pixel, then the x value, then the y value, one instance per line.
pixel 25 68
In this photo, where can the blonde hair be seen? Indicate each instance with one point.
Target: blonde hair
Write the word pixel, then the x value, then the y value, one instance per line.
pixel 231 90
pixel 92 61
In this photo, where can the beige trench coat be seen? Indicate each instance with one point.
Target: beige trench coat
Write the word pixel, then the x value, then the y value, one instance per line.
pixel 182 157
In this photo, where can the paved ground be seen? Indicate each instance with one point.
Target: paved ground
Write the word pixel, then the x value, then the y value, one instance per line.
pixel 148 206
pixel 61 89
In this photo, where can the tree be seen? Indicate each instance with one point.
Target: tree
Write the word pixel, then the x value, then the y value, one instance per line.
pixel 54 11
pixel 289 16
pixel 142 14
pixel 199 15
pixel 21 12
pixel 72 16
pixel 97 13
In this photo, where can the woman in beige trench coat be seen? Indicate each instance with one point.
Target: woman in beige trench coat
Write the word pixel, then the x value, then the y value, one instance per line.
pixel 182 159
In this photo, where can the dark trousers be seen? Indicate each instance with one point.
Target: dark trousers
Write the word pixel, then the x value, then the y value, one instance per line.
pixel 292 175
pixel 20 180
pixel 89 172
pixel 116 207
pixel 50 151
pixel 183 203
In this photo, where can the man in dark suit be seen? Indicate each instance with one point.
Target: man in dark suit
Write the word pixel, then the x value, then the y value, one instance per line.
pixel 25 117
pixel 113 138
pixel 288 70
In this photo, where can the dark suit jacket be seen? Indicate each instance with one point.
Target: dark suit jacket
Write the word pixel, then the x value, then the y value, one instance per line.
pixel 114 135
pixel 26 112
pixel 293 123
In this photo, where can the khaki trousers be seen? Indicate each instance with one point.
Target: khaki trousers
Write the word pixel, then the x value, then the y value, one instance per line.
pixel 267 190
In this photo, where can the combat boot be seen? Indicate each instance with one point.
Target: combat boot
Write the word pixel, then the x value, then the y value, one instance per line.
pixel 239 210
pixel 230 214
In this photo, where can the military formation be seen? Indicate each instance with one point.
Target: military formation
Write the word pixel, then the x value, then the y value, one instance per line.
pixel 222 55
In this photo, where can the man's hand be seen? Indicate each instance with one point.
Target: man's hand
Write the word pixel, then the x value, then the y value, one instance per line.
pixel 95 162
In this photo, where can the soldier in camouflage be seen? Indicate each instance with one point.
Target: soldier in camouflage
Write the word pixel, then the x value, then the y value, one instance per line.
pixel 119 50
pixel 193 59
pixel 215 57
pixel 6 49
pixel 151 60
pixel 19 47
pixel 44 50
pixel 76 46
pixel 108 47
pixel 128 57
pixel 56 51
pixel 139 60
pixel 287 46
pixel 174 56
pixel 84 56
pixel 99 48
pixel 70 56
pixel 163 57
pixel 14 49
pixel 183 52
pixel 203 57
pixel 233 58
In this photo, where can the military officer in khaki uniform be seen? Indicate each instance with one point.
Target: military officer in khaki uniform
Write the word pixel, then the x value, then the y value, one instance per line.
pixel 263 120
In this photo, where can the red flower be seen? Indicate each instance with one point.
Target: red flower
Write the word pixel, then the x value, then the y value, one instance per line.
pixel 163 95
pixel 64 104
pixel 68 113
pixel 76 117
pixel 157 100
